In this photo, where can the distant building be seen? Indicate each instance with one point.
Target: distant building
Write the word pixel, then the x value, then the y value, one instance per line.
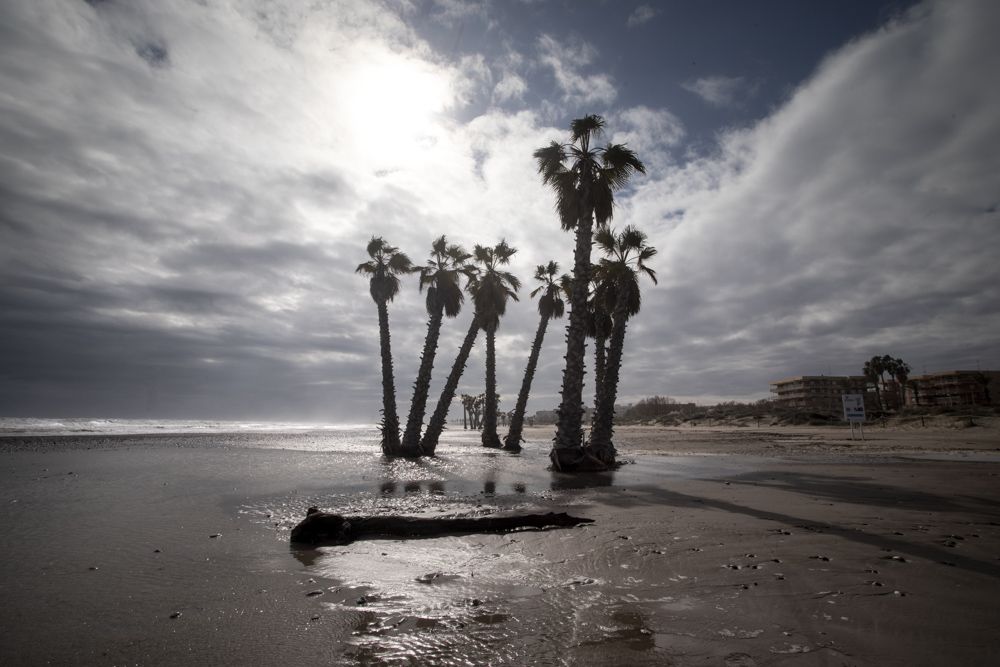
pixel 954 388
pixel 820 393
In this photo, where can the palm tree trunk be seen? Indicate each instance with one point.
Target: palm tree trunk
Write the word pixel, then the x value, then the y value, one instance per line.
pixel 600 363
pixel 436 425
pixel 411 437
pixel 601 445
pixel 390 421
pixel 513 440
pixel 567 452
pixel 490 437
pixel 465 413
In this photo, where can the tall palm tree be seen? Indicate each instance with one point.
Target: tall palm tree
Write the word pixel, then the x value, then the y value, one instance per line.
pixel 492 291
pixel 550 305
pixel 442 277
pixel 384 267
pixel 584 179
pixel 627 254
pixel 432 434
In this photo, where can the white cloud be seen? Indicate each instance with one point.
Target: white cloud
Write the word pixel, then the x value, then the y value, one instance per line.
pixel 243 175
pixel 650 132
pixel 642 14
pixel 566 59
pixel 510 88
pixel 860 218
pixel 719 91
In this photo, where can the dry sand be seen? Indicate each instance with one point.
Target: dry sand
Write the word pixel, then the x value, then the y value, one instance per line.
pixel 784 546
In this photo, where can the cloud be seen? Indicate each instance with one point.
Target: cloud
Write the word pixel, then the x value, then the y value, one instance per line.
pixel 510 88
pixel 718 91
pixel 208 209
pixel 641 14
pixel 650 132
pixel 858 219
pixel 179 236
pixel 566 59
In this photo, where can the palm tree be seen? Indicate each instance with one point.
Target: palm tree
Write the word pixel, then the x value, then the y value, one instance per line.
pixel 584 179
pixel 873 370
pixel 466 412
pixel 492 291
pixel 900 371
pixel 599 307
pixel 550 305
pixel 384 267
pixel 442 277
pixel 432 434
pixel 627 254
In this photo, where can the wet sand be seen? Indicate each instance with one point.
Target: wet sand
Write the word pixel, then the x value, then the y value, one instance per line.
pixel 711 547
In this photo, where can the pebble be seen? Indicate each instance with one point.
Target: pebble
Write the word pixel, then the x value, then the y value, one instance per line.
pixel 312 594
pixel 215 535
pixel 176 614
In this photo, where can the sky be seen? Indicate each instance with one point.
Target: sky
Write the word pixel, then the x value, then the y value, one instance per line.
pixel 187 186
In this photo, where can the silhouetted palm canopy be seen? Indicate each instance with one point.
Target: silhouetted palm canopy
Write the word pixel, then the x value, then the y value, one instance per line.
pixel 550 303
pixel 384 268
pixel 618 273
pixel 494 287
pixel 442 275
pixel 584 178
pixel 385 265
pixel 491 291
pixel 570 168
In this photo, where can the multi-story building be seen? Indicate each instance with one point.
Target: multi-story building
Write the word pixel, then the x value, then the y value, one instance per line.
pixel 954 388
pixel 820 393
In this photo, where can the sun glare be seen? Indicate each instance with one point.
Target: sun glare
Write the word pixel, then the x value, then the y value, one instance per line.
pixel 393 105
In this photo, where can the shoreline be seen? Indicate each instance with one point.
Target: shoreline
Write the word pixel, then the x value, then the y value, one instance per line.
pixel 804 555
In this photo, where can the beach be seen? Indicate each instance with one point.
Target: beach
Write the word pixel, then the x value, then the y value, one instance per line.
pixel 710 546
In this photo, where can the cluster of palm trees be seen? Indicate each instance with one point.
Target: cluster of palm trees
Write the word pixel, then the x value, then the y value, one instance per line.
pixel 877 368
pixel 602 299
pixel 472 412
pixel 448 267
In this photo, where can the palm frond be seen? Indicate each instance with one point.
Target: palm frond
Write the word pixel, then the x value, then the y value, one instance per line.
pixel 619 164
pixel 583 129
pixel 550 161
pixel 605 238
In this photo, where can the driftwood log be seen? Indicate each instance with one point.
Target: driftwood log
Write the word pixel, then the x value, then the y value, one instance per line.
pixel 323 528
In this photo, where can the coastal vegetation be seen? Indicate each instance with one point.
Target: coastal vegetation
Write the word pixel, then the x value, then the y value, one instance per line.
pixel 550 306
pixel 386 263
pixel 441 276
pixel 494 287
pixel 584 178
pixel 617 275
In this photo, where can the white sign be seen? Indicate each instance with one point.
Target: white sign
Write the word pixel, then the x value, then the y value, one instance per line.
pixel 854 407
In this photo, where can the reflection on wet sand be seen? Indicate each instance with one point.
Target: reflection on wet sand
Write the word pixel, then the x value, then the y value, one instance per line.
pixel 573 482
pixel 728 579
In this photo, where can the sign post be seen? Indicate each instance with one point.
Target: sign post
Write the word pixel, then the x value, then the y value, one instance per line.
pixel 854 412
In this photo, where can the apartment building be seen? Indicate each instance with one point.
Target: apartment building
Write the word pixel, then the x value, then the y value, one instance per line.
pixel 820 393
pixel 954 388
